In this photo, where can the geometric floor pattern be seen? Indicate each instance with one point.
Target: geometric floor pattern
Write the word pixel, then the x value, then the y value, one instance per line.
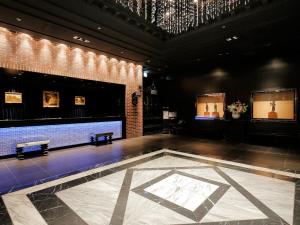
pixel 165 187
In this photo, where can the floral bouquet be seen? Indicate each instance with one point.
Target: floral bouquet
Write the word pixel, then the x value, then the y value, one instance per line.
pixel 237 107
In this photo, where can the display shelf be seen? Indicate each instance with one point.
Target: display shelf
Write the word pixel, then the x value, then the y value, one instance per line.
pixel 210 106
pixel 274 105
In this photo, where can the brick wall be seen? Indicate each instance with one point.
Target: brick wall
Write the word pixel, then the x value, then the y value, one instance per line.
pixel 23 52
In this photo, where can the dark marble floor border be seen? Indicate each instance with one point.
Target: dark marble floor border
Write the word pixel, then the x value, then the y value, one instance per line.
pixel 4 216
pixel 242 222
pixel 195 215
pixel 239 168
pixel 48 204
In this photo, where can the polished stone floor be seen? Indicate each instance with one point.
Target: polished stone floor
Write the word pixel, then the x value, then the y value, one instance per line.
pixel 15 174
pixel 209 187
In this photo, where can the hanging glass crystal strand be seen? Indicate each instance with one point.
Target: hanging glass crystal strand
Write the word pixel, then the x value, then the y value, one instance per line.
pixel 145 9
pixel 197 12
pixel 130 5
pixel 153 11
pixel 139 7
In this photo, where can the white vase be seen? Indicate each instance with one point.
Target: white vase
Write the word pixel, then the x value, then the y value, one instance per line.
pixel 236 115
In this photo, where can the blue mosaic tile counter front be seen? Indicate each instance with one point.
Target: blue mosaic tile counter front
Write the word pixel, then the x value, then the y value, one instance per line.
pixel 59 135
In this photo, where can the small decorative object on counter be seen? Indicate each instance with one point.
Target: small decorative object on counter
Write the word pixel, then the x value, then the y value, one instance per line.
pixel 237 108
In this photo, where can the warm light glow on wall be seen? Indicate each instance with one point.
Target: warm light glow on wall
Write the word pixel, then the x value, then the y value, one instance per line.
pixel 139 73
pixel 113 69
pixel 91 63
pixel 131 70
pixel 61 58
pixel 24 50
pixel 276 64
pixel 57 61
pixel 102 69
pixel 77 64
pixel 218 73
pixel 5 46
pixel 2 29
pixel 25 43
pixel 45 54
pixel 123 69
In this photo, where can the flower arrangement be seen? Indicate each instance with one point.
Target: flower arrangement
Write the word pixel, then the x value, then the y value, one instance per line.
pixel 237 107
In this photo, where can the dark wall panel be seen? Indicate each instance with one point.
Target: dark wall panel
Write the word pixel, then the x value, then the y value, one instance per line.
pixel 102 99
pixel 238 78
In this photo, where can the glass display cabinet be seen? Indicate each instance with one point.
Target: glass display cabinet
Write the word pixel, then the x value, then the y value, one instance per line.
pixel 210 106
pixel 274 105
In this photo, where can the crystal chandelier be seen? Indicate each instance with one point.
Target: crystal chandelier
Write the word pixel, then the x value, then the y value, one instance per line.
pixel 177 16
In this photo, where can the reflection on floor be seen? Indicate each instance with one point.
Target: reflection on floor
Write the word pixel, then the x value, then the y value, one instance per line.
pixel 15 174
pixel 163 187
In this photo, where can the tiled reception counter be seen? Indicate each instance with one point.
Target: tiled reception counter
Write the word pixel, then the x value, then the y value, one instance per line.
pixel 60 132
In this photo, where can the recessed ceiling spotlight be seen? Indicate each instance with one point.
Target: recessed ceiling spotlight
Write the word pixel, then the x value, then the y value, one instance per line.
pixel 81 39
pixel 18 19
pixel 99 28
pixel 233 38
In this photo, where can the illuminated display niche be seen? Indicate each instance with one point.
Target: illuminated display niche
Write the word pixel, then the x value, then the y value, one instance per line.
pixel 210 106
pixel 274 105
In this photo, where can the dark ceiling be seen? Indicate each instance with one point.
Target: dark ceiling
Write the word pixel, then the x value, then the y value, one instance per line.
pixel 270 25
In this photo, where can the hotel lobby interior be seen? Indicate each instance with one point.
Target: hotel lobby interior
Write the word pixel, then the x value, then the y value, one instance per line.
pixel 149 112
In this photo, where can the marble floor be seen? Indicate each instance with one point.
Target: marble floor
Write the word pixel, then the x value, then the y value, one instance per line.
pixel 16 174
pixel 162 187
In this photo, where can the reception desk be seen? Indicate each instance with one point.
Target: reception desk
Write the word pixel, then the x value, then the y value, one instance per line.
pixel 60 132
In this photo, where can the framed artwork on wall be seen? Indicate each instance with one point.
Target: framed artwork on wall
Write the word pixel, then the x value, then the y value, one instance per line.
pixel 79 100
pixel 13 98
pixel 210 106
pixel 50 99
pixel 274 105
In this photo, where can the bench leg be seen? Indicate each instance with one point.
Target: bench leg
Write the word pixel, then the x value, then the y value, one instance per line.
pixel 92 140
pixel 20 154
pixel 97 141
pixel 110 139
pixel 44 149
pixel 105 139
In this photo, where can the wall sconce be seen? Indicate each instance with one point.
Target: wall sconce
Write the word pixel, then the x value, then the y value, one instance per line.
pixel 135 96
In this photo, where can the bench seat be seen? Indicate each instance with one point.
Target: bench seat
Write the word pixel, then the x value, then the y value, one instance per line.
pixel 33 143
